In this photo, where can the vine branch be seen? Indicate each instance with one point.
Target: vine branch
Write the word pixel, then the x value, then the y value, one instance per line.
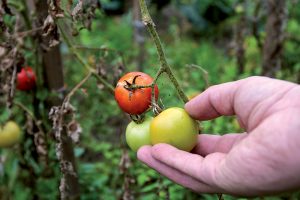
pixel 105 49
pixel 204 73
pixel 162 58
pixel 20 105
pixel 39 136
pixel 81 60
pixel 72 92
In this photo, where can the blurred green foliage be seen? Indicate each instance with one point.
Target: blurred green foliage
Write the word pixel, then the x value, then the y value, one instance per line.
pixel 102 143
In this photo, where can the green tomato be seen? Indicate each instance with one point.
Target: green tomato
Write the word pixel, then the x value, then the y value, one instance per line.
pixel 10 134
pixel 174 126
pixel 138 135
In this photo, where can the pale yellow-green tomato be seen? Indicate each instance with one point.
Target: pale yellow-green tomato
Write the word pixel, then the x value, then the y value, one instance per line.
pixel 138 135
pixel 174 126
pixel 10 134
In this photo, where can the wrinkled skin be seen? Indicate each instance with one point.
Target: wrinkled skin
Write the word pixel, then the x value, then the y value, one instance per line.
pixel 264 160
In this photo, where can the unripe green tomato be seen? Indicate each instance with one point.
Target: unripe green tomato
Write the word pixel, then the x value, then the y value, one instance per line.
pixel 138 135
pixel 10 134
pixel 174 126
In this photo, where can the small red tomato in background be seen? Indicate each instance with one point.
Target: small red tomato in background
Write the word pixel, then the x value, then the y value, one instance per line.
pixel 134 101
pixel 26 79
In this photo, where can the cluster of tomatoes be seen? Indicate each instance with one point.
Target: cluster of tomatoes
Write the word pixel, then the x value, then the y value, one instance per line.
pixel 10 133
pixel 172 126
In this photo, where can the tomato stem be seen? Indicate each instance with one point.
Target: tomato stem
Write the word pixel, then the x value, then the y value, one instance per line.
pixel 132 86
pixel 134 79
pixel 137 118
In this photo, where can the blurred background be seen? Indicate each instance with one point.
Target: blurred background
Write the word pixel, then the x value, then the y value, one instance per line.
pixel 77 147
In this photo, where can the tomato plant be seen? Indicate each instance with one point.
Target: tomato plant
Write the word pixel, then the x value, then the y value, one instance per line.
pixel 26 79
pixel 10 134
pixel 175 127
pixel 134 101
pixel 138 135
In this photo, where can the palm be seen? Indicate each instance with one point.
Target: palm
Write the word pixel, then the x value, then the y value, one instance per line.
pixel 260 161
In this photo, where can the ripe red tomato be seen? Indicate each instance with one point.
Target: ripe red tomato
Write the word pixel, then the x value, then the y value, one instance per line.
pixel 134 101
pixel 26 79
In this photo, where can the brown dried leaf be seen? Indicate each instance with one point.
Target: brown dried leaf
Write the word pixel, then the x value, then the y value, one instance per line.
pixel 50 30
pixel 6 8
pixel 49 25
pixel 55 9
pixel 77 9
pixel 84 13
pixel 74 130
pixel 53 42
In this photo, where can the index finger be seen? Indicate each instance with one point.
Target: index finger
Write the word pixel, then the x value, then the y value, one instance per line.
pixel 216 101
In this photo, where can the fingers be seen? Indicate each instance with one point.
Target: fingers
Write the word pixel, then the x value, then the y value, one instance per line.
pixel 208 144
pixel 202 169
pixel 239 98
pixel 215 101
pixel 187 169
pixel 145 155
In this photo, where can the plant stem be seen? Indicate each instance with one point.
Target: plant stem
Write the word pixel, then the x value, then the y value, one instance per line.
pixel 72 92
pixel 20 105
pixel 81 60
pixel 37 123
pixel 204 73
pixel 162 58
pixel 105 49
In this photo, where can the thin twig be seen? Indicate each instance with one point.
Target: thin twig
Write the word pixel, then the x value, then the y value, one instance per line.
pixel 95 48
pixel 23 107
pixel 81 60
pixel 72 92
pixel 11 93
pixel 101 49
pixel 25 33
pixel 204 73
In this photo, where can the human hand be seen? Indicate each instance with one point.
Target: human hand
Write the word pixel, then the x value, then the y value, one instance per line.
pixel 263 160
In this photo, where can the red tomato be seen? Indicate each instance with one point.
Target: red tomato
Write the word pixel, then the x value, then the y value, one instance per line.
pixel 26 79
pixel 134 101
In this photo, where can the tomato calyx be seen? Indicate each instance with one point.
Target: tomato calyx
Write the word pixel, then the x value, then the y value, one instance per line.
pixel 130 86
pixel 137 118
pixel 156 109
